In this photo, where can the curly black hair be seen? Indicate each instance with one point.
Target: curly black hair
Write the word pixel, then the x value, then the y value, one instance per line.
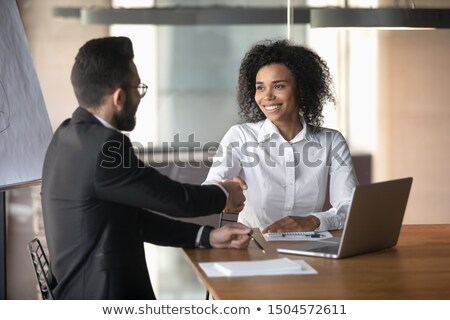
pixel 311 73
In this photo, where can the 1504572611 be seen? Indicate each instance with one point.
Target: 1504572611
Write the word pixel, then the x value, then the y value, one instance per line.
pixel 306 309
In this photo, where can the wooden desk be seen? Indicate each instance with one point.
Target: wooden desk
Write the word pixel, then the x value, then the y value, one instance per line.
pixel 417 268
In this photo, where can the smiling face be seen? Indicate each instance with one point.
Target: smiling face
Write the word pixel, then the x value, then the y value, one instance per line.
pixel 276 94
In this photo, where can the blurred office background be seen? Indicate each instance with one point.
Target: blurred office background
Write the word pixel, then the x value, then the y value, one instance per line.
pixel 392 91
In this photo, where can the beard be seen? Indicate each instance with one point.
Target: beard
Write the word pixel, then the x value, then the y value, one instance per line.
pixel 126 119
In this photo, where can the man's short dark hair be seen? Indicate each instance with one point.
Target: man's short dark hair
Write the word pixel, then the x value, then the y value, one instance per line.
pixel 101 65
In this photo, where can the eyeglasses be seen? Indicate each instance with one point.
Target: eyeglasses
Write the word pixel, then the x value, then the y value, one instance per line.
pixel 141 87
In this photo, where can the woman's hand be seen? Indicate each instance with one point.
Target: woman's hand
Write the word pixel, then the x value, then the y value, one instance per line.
pixel 293 223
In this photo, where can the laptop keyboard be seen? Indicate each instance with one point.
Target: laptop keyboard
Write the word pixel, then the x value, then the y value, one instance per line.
pixel 327 249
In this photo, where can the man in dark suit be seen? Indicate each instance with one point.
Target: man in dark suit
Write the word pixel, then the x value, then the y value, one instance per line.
pixel 94 188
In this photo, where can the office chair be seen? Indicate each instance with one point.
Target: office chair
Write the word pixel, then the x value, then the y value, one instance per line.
pixel 227 218
pixel 41 268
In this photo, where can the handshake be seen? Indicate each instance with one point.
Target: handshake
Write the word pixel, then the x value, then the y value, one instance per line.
pixel 236 198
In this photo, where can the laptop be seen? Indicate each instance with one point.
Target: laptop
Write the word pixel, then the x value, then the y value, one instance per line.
pixel 373 222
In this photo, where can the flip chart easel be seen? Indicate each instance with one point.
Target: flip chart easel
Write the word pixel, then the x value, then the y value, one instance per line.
pixel 25 129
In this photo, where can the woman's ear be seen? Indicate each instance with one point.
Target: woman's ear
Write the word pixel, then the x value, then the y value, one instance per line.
pixel 119 98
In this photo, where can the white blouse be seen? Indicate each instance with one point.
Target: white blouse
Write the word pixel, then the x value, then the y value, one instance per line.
pixel 287 177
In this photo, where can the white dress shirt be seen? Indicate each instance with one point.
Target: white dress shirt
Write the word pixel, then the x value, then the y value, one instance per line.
pixel 287 177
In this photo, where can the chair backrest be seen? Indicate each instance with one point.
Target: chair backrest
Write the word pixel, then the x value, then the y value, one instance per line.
pixel 41 268
pixel 227 218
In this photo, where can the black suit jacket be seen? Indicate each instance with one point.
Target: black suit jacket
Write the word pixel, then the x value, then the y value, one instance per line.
pixel 94 190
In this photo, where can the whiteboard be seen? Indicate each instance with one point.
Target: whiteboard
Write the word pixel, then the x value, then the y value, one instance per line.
pixel 25 129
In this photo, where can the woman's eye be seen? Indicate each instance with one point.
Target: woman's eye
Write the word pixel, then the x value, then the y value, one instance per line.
pixel 259 88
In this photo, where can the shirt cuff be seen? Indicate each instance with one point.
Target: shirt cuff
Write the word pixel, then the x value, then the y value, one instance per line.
pixel 202 240
pixel 199 236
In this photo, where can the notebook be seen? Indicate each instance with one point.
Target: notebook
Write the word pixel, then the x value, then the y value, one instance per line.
pixel 297 236
pixel 263 267
pixel 270 267
pixel 373 222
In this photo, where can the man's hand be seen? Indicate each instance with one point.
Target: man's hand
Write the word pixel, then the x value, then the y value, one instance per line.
pixel 236 197
pixel 232 235
pixel 293 223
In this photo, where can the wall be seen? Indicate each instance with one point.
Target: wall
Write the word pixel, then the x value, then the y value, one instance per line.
pixel 414 117
pixel 54 43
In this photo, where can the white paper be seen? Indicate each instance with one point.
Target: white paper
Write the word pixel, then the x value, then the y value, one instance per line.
pixel 271 267
pixel 286 236
pixel 25 129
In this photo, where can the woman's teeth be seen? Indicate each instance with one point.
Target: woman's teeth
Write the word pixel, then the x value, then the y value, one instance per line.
pixel 273 107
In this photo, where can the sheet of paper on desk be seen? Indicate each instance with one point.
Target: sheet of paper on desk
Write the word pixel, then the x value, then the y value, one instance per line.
pixel 269 267
pixel 297 236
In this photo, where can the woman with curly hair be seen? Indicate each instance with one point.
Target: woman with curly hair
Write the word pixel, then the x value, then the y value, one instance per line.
pixel 286 157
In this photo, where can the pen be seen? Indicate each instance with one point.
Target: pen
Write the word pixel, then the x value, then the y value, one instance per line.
pixel 315 235
pixel 257 243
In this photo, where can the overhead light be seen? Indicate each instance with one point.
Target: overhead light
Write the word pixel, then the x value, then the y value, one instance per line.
pixel 381 18
pixel 215 15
